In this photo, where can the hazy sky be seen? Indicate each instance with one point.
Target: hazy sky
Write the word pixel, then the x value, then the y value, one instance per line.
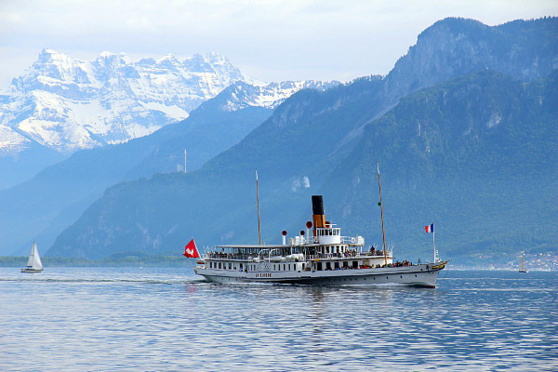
pixel 269 40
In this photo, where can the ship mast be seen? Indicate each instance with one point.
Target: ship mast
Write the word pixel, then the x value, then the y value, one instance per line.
pixel 382 214
pixel 258 209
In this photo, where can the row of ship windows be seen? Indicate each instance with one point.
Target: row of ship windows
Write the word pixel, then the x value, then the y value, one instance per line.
pixel 332 249
pixel 324 232
pixel 252 267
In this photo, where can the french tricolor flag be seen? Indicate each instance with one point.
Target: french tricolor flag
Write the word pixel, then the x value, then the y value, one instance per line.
pixel 429 229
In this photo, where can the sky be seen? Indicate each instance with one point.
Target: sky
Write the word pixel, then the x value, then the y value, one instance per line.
pixel 269 40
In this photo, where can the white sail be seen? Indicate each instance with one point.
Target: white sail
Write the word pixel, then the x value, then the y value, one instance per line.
pixel 522 268
pixel 34 263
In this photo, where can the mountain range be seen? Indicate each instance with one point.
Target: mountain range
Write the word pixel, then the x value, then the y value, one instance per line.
pixel 68 104
pixel 465 130
pixel 61 105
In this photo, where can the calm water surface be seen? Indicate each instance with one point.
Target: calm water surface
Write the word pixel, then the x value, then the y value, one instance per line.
pixel 134 319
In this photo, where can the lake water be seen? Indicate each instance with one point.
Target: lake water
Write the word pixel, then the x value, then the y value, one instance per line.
pixel 134 319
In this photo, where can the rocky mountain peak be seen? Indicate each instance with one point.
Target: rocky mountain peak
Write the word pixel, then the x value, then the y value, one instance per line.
pixel 452 25
pixel 49 55
pixel 51 68
pixel 457 46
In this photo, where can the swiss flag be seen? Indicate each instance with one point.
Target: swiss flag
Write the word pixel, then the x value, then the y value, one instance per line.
pixel 191 250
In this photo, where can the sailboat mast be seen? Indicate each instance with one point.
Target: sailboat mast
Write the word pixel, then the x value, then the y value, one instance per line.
pixel 31 259
pixel 382 214
pixel 258 209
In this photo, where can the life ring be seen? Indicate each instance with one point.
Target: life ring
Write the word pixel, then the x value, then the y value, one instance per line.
pixel 353 240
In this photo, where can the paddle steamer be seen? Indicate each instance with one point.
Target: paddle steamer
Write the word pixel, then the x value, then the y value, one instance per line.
pixel 319 255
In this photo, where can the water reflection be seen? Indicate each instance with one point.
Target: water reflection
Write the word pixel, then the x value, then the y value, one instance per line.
pixel 141 320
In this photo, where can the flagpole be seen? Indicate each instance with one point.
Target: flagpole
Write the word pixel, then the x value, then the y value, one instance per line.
pixel 434 241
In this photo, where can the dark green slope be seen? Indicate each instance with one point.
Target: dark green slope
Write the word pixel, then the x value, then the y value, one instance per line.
pixel 302 131
pixel 478 156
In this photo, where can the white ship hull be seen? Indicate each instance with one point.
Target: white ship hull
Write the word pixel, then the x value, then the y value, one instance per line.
pixel 423 275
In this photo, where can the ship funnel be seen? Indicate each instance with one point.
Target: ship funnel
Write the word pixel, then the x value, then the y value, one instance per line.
pixel 318 211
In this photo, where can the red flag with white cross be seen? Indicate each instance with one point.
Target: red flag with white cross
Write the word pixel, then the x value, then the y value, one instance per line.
pixel 191 250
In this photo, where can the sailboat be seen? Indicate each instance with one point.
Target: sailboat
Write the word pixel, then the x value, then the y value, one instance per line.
pixel 34 264
pixel 522 268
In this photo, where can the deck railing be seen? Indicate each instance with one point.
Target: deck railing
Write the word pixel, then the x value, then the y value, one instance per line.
pixel 249 257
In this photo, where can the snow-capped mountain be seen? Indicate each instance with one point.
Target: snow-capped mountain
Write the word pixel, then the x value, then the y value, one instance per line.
pixel 67 104
pixel 240 94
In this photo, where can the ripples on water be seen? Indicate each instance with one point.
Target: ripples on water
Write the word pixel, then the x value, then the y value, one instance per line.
pixel 168 320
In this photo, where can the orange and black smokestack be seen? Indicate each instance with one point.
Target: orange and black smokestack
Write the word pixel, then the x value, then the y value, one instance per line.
pixel 318 211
